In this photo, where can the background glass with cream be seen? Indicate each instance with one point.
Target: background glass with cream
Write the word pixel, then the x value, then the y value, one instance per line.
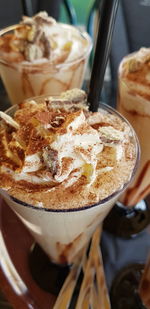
pixel 23 79
pixel 133 103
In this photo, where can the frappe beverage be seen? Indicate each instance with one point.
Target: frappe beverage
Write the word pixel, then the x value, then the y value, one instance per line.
pixel 134 104
pixel 63 167
pixel 40 56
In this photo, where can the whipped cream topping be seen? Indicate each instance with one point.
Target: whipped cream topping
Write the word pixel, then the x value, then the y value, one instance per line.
pixel 60 151
pixel 136 60
pixel 77 148
pixel 41 37
pixel 134 79
pixel 52 145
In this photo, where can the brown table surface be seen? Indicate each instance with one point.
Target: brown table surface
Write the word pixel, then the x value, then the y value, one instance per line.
pixel 17 241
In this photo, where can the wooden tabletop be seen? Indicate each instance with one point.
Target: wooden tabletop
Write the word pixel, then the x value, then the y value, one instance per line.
pixel 16 281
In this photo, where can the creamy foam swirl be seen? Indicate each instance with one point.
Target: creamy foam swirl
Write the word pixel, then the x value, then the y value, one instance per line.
pixel 76 149
pixel 134 77
pixel 40 38
pixel 50 144
pixel 58 148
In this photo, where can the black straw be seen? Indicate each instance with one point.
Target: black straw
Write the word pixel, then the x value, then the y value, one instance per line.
pixel 102 50
pixel 27 8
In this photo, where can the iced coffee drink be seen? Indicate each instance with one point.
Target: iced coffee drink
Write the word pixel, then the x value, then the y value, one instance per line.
pixel 40 56
pixel 134 104
pixel 63 167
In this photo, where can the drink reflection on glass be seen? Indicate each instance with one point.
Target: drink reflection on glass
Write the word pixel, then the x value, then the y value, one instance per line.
pixel 134 104
pixel 63 168
pixel 40 56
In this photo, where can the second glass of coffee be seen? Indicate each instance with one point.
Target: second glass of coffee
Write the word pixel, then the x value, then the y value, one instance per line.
pixel 40 56
pixel 134 104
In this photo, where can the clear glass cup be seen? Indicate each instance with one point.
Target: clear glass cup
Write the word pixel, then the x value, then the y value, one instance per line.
pixel 24 79
pixel 136 109
pixel 62 233
pixel 133 210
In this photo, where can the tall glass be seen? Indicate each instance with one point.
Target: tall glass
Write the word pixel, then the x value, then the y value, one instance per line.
pixel 133 103
pixel 62 233
pixel 136 108
pixel 25 79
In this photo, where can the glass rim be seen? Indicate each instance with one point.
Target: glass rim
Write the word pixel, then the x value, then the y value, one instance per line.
pixel 112 110
pixel 36 64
